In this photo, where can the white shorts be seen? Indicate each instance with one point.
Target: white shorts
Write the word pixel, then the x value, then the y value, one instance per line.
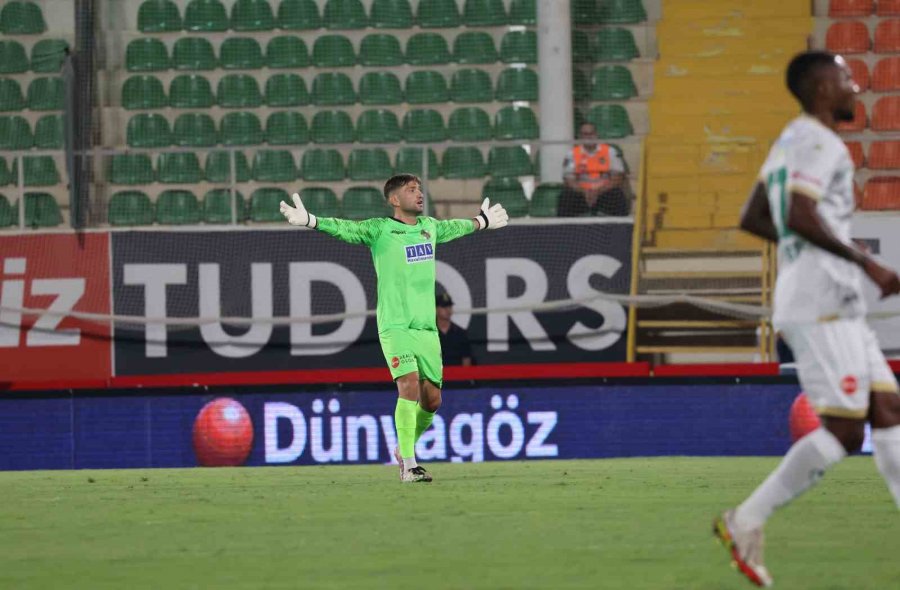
pixel 839 363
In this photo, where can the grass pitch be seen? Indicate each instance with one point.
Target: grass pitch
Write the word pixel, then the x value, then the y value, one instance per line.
pixel 618 524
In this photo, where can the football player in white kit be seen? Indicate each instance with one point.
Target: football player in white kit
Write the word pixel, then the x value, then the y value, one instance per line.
pixel 804 201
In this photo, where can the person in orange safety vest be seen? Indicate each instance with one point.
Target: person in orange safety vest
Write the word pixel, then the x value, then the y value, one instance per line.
pixel 594 177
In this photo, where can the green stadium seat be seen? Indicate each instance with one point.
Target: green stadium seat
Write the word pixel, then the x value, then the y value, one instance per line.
pixel 321 202
pixel 509 161
pixel 15 133
pixel 474 47
pixel 148 131
pixel 241 128
pixel 584 11
pixel 612 83
pixel 378 126
pixel 516 123
pixel 286 128
pixel 621 12
pixel 463 162
pixel 469 124
pixel 438 14
pixel 287 51
pixel 218 167
pixel 5 175
pixel 195 130
pixel 523 12
pixel 217 204
pixel 298 15
pixel 41 210
pixel 581 47
pixel 611 121
pixel 333 51
pixel 240 53
pixel 378 88
pixel 411 160
pixel 49 133
pixel 274 166
pixel 252 15
pixel 471 85
pixel 194 53
pixel 47 94
pixel 178 207
pixel 39 171
pixel 344 14
pixel 158 16
pixel 426 87
pixel 615 45
pixel 423 126
pixel 286 90
pixel 11 98
pixel 484 13
pixel 509 192
pixel 581 87
pixel 517 84
pixel 391 14
pixel 13 59
pixel 146 55
pixel 205 15
pixel 22 18
pixel 369 164
pixel 364 202
pixel 265 204
pixel 48 55
pixel 178 168
pixel 130 208
pixel 519 47
pixel 332 127
pixel 322 165
pixel 8 213
pixel 332 89
pixel 380 50
pixel 427 49
pixel 238 91
pixel 190 91
pixel 130 169
pixel 545 200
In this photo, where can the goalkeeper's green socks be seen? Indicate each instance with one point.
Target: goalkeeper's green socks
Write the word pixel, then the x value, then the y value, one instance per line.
pixel 405 423
pixel 423 421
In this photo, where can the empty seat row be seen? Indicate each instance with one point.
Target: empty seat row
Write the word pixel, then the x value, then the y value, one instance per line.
pixel 16 134
pixel 850 8
pixel 155 16
pixel 883 155
pixel 38 171
pixel 329 51
pixel 885 116
pixel 612 44
pixel 885 76
pixel 41 210
pixel 22 18
pixel 611 82
pixel 850 37
pixel 47 56
pixel 372 126
pixel 608 12
pixel 881 193
pixel 44 94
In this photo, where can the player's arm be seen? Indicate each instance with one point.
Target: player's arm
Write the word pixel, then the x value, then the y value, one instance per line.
pixel 756 217
pixel 804 220
pixel 490 217
pixel 352 232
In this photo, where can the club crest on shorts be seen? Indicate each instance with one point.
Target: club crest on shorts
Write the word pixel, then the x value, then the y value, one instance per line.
pixel 395 362
pixel 419 253
pixel 849 384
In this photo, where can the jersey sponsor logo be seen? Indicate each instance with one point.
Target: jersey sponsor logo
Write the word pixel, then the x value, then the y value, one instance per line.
pixel 419 253
pixel 849 384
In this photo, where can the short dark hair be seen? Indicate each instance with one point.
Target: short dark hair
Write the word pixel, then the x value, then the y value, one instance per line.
pixel 396 181
pixel 802 74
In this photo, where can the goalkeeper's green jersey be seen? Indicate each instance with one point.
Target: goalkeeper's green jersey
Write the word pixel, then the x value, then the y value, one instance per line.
pixel 404 263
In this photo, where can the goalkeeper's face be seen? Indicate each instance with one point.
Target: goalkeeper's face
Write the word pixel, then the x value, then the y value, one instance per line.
pixel 408 198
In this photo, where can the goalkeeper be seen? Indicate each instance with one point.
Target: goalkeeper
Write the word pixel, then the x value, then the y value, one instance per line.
pixel 403 248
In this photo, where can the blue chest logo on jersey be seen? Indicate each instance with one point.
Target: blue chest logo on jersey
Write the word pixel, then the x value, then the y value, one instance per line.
pixel 419 253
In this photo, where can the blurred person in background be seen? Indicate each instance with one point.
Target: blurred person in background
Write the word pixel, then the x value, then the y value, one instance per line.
pixel 594 178
pixel 454 340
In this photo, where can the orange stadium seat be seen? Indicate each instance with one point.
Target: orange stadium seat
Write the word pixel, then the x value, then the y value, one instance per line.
pixel 884 155
pixel 860 73
pixel 859 120
pixel 844 8
pixel 847 37
pixel 886 114
pixel 856 152
pixel 881 193
pixel 887 36
pixel 886 75
pixel 888 8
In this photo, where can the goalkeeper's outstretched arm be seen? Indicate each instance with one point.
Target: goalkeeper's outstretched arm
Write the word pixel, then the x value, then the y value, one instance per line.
pixel 490 217
pixel 353 232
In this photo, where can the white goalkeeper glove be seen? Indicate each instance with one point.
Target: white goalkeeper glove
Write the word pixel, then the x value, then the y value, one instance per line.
pixel 491 217
pixel 298 215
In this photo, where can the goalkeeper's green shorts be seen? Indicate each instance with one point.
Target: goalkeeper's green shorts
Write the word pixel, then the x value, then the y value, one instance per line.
pixel 407 351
